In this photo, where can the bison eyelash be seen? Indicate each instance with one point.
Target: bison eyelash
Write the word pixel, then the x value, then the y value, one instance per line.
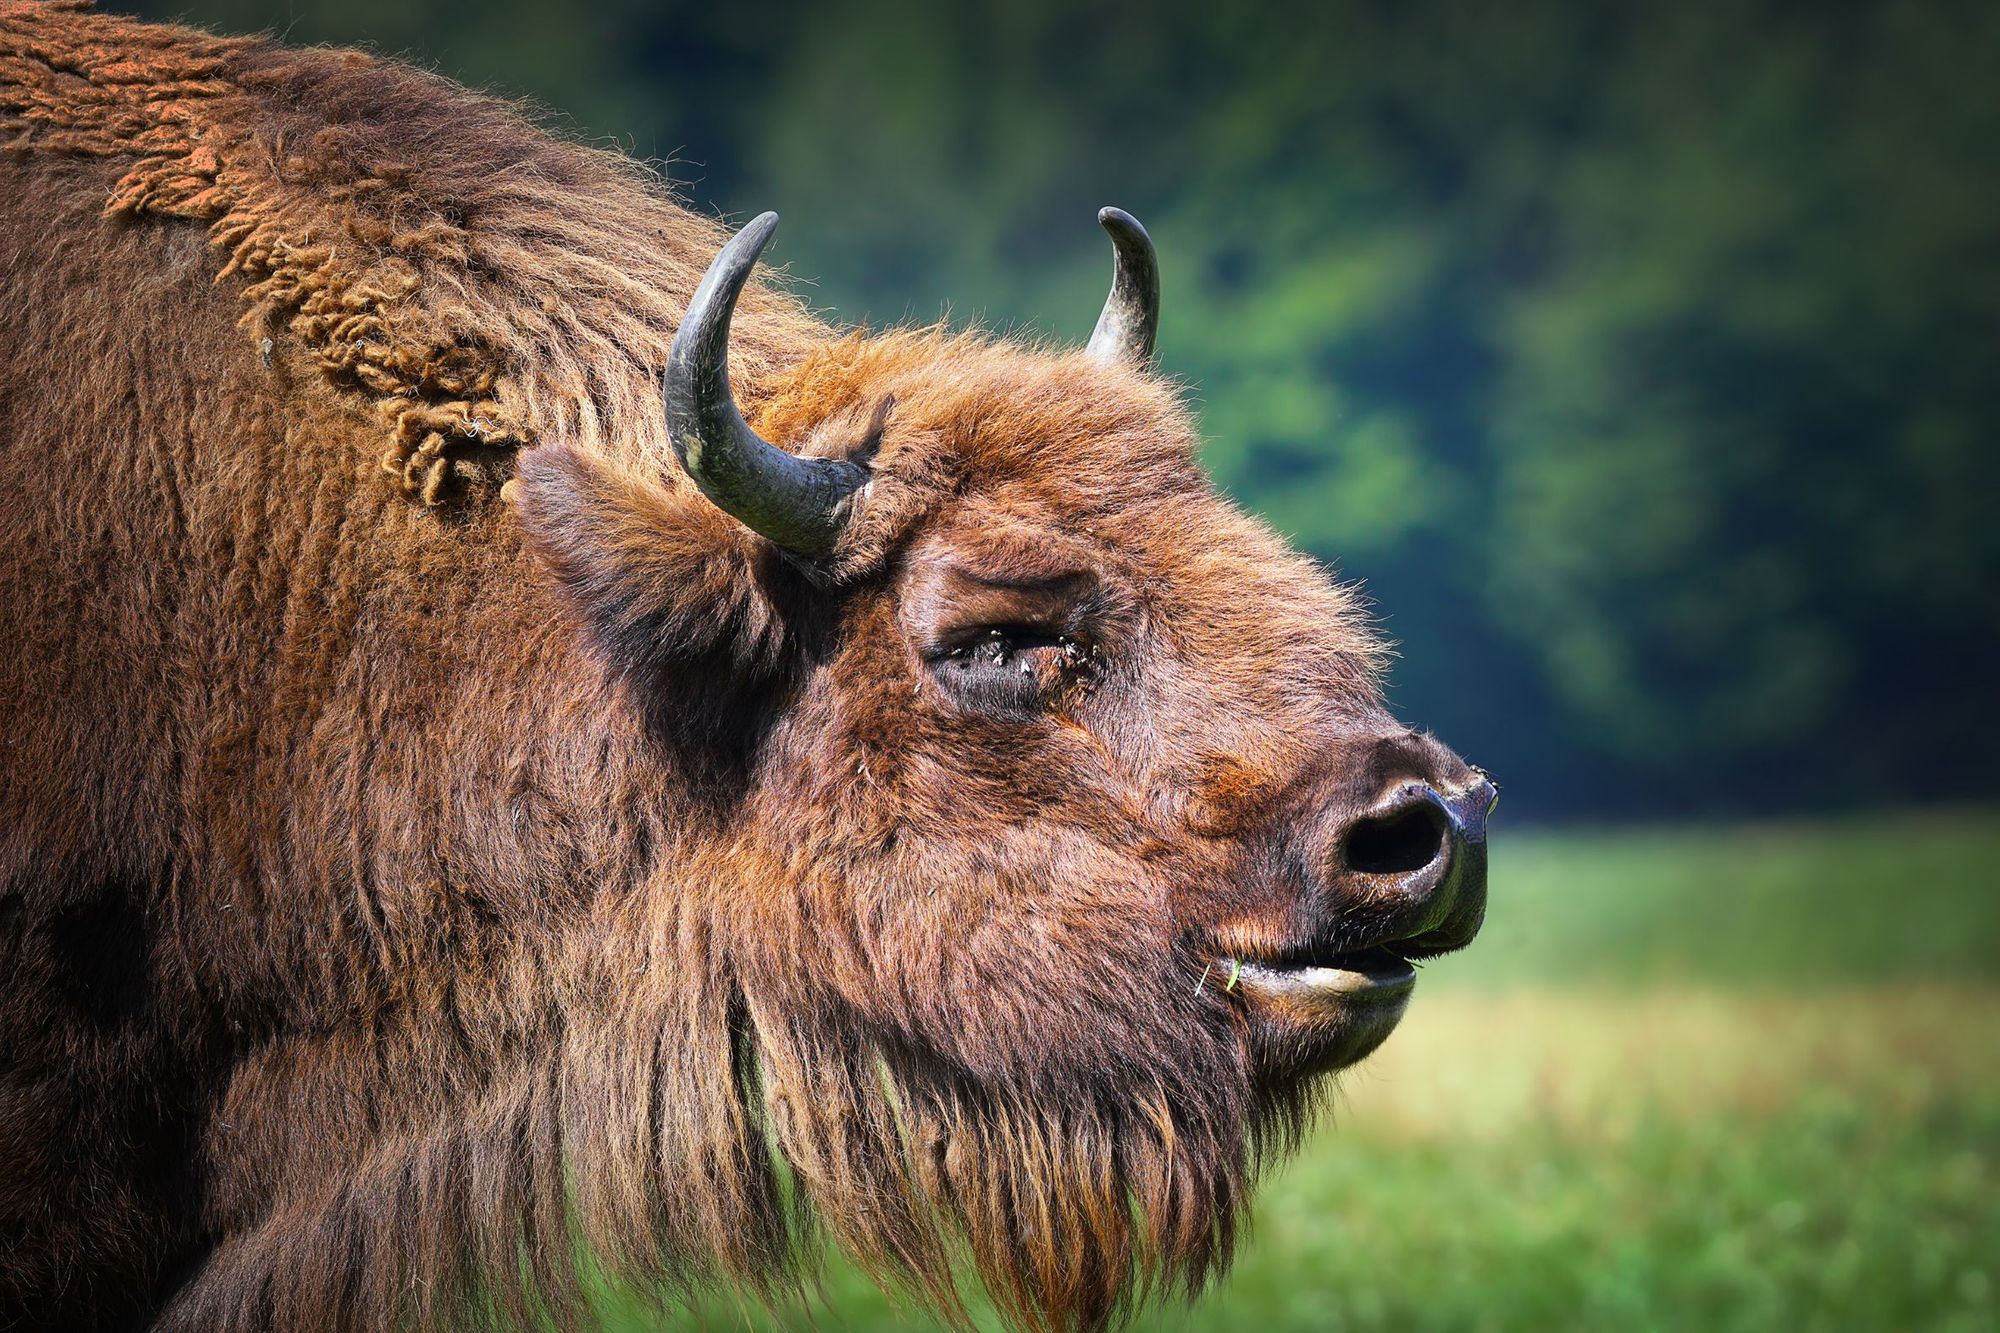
pixel 996 645
pixel 1000 665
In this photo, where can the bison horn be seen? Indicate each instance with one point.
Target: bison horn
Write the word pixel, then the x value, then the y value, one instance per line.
pixel 800 503
pixel 1131 317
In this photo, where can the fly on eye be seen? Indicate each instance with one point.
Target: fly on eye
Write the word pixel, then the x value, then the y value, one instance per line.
pixel 1008 668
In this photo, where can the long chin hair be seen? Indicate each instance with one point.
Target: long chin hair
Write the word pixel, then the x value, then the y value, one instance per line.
pixel 673 1131
pixel 1067 1199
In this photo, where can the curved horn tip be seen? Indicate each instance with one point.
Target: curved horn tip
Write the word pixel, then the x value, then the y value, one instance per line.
pixel 802 504
pixel 759 229
pixel 1131 317
pixel 1115 220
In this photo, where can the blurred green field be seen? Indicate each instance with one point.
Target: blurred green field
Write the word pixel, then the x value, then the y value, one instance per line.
pixel 1727 1078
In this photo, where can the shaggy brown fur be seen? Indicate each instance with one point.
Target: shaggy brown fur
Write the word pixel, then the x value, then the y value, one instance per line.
pixel 405 887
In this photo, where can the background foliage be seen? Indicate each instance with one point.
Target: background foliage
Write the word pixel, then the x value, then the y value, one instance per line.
pixel 1640 358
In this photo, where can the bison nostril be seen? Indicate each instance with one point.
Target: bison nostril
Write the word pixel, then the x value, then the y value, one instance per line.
pixel 1397 842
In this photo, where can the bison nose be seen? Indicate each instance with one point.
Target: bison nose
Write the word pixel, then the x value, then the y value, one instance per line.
pixel 1418 858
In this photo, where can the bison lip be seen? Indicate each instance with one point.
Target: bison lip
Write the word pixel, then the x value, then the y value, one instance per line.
pixel 1312 1015
pixel 1367 976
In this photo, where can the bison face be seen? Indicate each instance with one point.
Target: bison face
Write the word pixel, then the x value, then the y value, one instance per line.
pixel 1096 765
pixel 1059 835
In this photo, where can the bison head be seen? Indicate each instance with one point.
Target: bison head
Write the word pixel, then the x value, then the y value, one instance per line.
pixel 1040 835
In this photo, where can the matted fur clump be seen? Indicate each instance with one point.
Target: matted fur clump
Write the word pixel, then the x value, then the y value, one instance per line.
pixel 407 909
pixel 406 232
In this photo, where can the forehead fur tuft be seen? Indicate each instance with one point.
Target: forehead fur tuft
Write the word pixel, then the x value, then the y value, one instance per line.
pixel 1047 430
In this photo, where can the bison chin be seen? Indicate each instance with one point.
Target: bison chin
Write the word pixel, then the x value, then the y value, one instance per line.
pixel 1071 1194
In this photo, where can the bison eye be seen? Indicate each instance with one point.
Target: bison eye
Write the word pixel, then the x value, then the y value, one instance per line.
pixel 1009 668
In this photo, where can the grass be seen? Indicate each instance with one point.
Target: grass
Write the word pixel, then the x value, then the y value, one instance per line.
pixel 1687 1159
pixel 1730 1078
pixel 1867 901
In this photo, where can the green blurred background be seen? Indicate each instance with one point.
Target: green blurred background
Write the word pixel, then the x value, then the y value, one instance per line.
pixel 1645 363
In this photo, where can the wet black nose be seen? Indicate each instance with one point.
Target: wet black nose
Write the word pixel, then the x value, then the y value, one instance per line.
pixel 1418 855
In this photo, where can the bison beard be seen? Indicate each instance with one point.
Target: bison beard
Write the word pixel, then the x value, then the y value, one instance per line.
pixel 411 883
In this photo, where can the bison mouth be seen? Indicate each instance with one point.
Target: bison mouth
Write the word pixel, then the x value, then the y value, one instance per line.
pixel 1310 1013
pixel 1368 975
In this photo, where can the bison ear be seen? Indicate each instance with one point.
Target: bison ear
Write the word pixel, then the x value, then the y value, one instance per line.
pixel 661 581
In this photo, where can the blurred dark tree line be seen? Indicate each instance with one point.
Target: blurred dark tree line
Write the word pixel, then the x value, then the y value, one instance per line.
pixel 1642 359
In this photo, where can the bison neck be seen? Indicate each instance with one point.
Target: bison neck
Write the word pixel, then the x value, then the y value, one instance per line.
pixel 317 822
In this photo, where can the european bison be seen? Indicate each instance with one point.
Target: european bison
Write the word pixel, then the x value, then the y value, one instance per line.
pixel 458 814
